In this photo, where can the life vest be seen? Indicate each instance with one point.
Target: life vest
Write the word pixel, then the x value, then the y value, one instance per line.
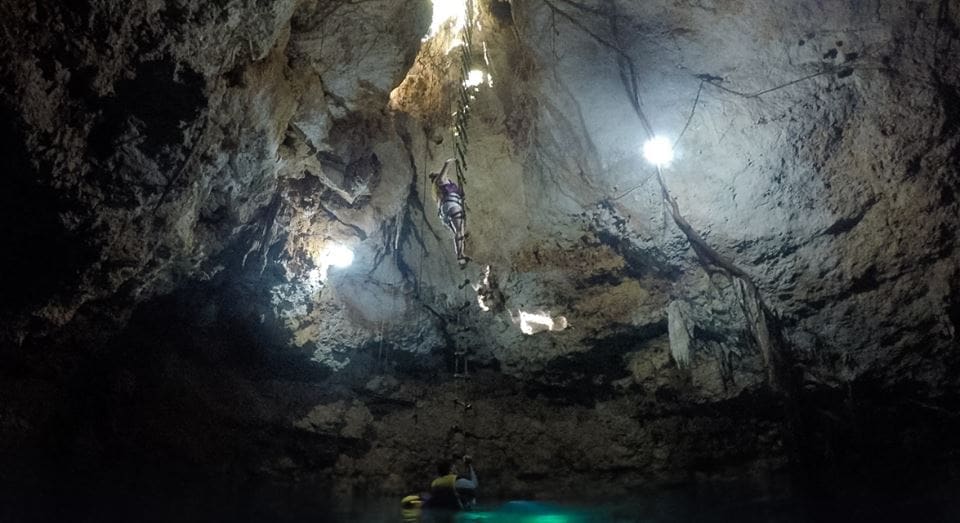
pixel 443 493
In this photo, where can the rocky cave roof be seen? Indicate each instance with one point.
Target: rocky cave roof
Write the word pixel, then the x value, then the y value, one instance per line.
pixel 176 172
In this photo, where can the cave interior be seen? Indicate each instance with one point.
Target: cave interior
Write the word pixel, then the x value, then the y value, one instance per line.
pixel 709 267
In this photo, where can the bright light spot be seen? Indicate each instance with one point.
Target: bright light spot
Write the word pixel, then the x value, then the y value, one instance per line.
pixel 483 306
pixel 534 322
pixel 658 151
pixel 314 278
pixel 336 255
pixel 445 10
pixel 455 43
pixel 485 284
pixel 486 60
pixel 333 255
pixel 474 79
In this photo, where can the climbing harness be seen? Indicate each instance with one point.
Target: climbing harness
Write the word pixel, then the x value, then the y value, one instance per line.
pixel 451 210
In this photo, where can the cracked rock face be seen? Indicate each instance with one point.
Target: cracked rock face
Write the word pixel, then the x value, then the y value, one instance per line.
pixel 179 173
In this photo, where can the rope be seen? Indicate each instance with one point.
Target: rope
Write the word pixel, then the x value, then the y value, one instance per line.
pixel 693 110
pixel 423 249
pixel 380 359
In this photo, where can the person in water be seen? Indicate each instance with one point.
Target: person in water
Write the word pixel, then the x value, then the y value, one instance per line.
pixel 450 208
pixel 450 491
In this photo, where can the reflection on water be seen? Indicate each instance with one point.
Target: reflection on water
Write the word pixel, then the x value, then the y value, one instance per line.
pixel 683 507
pixel 289 504
pixel 527 512
pixel 510 512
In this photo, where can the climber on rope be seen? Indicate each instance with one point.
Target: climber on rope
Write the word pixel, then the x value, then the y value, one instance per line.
pixel 450 208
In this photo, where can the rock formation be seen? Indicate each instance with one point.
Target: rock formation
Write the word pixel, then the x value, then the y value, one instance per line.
pixel 782 299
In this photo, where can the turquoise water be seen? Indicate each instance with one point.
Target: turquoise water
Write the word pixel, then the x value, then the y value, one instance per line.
pixel 528 512
pixel 293 505
pixel 683 507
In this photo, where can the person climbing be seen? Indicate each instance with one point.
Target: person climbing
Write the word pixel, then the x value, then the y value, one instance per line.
pixel 450 491
pixel 450 208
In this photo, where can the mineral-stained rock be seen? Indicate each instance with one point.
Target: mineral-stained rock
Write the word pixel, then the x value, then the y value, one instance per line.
pixel 176 173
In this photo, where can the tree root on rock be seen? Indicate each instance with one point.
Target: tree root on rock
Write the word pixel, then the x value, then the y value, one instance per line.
pixel 759 317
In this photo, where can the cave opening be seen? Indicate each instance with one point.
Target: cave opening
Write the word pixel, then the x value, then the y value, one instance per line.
pixel 611 261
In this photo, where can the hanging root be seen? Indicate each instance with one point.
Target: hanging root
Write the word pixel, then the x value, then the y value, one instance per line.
pixel 758 316
pixel 760 321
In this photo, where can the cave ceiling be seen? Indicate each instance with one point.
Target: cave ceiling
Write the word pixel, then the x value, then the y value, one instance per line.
pixel 207 157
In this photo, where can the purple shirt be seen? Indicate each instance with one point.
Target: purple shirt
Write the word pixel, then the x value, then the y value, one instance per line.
pixel 451 188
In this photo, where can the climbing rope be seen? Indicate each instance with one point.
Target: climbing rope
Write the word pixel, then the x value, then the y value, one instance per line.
pixel 423 248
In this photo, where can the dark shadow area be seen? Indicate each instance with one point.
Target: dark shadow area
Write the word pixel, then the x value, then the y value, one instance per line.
pixel 878 440
pixel 583 378
pixel 41 256
pixel 187 414
pixel 159 100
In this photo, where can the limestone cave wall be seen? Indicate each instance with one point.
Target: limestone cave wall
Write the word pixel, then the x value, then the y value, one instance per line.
pixel 174 172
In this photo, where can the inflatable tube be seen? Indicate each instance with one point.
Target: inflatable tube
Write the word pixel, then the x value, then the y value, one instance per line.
pixel 411 501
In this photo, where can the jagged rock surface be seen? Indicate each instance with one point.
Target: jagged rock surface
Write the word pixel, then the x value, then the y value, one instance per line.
pixel 178 169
